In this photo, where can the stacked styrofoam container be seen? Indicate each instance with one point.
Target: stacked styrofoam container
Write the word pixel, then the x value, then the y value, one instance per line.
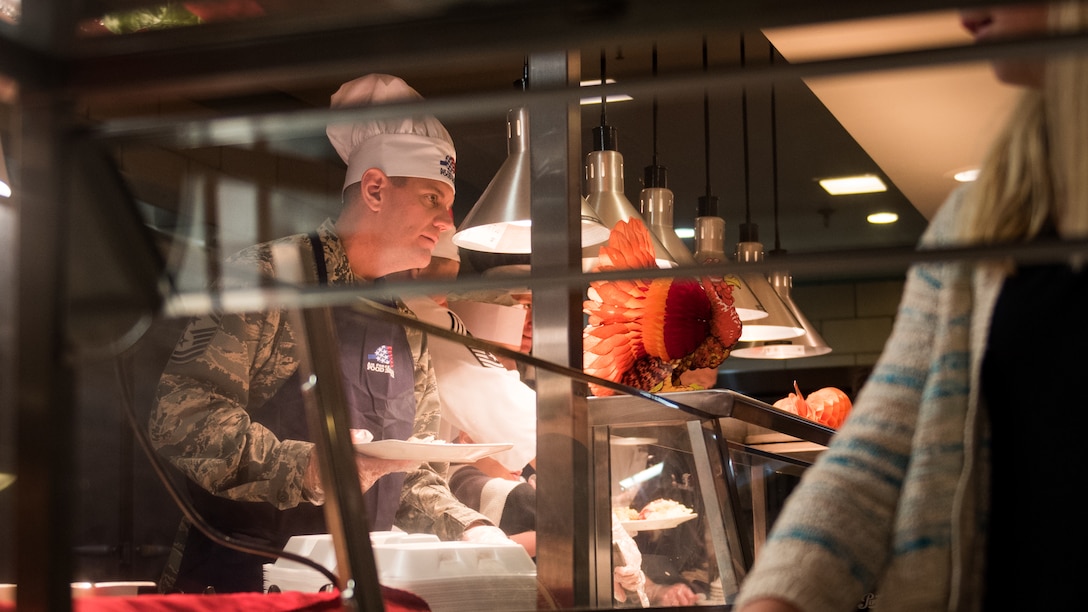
pixel 450 576
pixel 287 575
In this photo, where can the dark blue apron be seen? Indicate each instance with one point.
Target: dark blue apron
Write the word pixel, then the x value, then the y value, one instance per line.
pixel 377 372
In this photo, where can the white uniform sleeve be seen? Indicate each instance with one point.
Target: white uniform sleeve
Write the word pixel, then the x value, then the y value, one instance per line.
pixel 478 395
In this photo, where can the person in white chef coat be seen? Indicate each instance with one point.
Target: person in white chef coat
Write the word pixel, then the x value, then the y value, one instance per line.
pixel 483 401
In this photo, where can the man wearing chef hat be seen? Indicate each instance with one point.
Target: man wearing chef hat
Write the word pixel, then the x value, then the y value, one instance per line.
pixel 229 411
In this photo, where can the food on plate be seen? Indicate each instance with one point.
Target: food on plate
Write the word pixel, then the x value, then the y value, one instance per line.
pixel 828 406
pixel 663 509
pixel 657 509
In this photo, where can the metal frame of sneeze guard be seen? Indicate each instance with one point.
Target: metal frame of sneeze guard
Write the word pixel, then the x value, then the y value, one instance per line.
pixel 714 420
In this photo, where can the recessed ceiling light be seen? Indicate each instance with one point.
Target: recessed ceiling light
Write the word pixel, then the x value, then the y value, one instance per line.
pixel 849 185
pixel 882 218
pixel 597 99
pixel 684 232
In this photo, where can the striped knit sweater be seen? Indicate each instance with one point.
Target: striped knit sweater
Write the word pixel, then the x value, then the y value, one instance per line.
pixel 896 506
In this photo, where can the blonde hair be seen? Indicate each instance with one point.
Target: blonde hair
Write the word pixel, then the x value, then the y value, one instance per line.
pixel 1037 167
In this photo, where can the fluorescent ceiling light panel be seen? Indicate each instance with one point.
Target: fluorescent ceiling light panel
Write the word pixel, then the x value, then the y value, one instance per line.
pixel 849 185
pixel 597 99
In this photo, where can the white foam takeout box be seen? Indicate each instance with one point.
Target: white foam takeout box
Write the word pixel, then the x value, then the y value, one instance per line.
pixel 450 576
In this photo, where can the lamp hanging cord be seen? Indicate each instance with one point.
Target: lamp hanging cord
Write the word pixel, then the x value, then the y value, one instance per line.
pixel 774 161
pixel 604 96
pixel 744 138
pixel 187 509
pixel 653 157
pixel 706 124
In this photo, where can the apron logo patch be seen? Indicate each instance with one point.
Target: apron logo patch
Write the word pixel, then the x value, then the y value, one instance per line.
pixel 381 361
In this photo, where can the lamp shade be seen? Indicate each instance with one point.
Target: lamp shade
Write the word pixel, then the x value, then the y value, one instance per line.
pixel 5 179
pixel 604 181
pixel 500 221
pixel 657 207
pixel 594 231
pixel 710 249
pixel 808 344
pixel 780 323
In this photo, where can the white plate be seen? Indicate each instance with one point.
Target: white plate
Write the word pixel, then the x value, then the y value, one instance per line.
pixel 429 451
pixel 634 527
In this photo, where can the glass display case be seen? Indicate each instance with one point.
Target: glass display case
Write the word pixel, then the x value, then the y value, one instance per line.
pixel 694 479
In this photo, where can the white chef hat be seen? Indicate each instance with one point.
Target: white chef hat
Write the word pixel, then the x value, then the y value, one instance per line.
pixel 417 146
pixel 445 247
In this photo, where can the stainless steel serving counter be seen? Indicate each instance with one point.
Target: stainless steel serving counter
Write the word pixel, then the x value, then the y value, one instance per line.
pixel 743 416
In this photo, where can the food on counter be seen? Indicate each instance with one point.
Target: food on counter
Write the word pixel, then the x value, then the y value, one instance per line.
pixel 831 406
pixel 657 509
pixel 645 333
pixel 795 403
pixel 663 508
pixel 828 406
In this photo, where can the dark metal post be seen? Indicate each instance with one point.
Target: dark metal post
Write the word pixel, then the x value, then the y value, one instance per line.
pixel 44 396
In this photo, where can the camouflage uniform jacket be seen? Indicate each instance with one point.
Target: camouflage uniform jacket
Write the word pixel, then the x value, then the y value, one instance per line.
pixel 225 363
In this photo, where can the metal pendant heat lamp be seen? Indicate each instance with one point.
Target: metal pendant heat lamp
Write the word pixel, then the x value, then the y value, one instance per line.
pixel 780 323
pixel 809 343
pixel 710 249
pixel 500 221
pixel 710 230
pixel 656 199
pixel 604 184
